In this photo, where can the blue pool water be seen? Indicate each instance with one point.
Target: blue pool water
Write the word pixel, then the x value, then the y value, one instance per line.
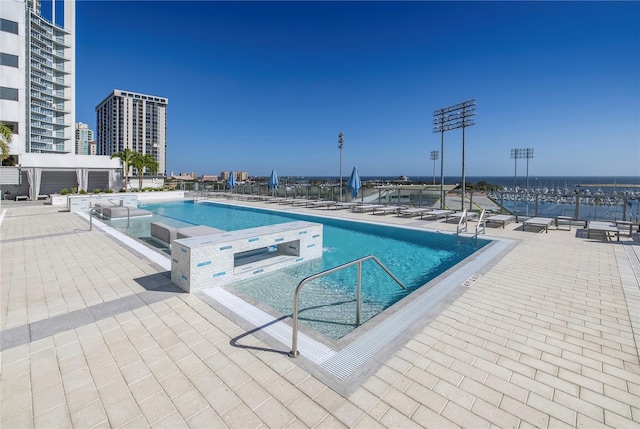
pixel 328 304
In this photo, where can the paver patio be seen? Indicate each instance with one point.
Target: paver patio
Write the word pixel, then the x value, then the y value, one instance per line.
pixel 95 335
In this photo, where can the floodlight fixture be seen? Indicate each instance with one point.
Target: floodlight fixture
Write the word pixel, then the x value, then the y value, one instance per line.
pixel 450 118
pixel 434 157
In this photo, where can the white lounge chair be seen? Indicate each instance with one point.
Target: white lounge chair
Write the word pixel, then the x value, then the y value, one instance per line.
pixel 603 228
pixel 322 203
pixel 463 215
pixel 541 222
pixel 348 205
pixel 437 214
pixel 414 211
pixel 366 208
pixel 388 209
pixel 501 219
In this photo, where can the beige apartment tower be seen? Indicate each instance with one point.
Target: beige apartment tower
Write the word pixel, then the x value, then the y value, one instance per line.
pixel 129 120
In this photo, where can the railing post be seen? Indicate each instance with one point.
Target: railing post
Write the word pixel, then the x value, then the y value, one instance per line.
pixel 294 326
pixel 358 293
pixel 296 296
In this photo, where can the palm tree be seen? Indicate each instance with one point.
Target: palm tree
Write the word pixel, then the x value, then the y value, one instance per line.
pixel 140 162
pixel 5 141
pixel 126 157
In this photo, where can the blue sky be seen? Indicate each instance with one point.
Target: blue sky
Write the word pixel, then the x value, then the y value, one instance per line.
pixel 254 86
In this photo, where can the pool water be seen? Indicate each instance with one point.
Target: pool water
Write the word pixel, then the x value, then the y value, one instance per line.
pixel 327 304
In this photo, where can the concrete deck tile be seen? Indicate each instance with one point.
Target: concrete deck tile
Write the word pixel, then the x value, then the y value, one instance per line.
pixel 116 344
pixel 189 403
pixel 274 414
pixel 206 419
pixel 173 420
pixel 157 407
pixel 240 416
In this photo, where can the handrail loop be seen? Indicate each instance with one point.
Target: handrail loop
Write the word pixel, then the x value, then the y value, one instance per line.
pixel 482 223
pixel 464 219
pixel 294 340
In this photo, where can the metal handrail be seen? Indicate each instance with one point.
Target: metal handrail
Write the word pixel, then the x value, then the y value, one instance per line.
pixel 92 211
pixel 482 224
pixel 459 228
pixel 294 340
pixel 202 193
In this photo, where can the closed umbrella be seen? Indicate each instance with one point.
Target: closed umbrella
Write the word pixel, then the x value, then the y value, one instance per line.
pixel 232 180
pixel 273 181
pixel 354 183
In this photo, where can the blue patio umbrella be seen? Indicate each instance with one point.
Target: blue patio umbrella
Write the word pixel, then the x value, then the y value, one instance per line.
pixel 232 179
pixel 354 183
pixel 273 181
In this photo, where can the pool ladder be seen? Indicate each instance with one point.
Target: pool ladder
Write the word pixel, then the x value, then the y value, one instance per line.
pixel 480 226
pixel 294 340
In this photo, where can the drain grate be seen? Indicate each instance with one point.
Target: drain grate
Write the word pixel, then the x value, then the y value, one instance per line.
pixel 471 280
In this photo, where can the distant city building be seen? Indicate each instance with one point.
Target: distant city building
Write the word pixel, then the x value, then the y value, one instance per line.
pixel 93 147
pixel 209 178
pixel 184 176
pixel 84 136
pixel 241 176
pixel 128 120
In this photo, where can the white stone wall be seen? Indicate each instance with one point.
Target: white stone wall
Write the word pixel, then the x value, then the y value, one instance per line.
pixel 208 261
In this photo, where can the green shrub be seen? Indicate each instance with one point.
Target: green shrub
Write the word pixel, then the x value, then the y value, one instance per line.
pixel 64 191
pixel 122 190
pixel 96 191
pixel 83 191
pixel 74 190
pixel 108 191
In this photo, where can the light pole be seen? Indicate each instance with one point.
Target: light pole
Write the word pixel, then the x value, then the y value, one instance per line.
pixel 434 158
pixel 527 153
pixel 516 154
pixel 340 145
pixel 450 118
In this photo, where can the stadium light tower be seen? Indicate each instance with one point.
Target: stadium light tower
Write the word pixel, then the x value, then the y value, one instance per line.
pixel 434 158
pixel 527 153
pixel 340 145
pixel 450 118
pixel 516 154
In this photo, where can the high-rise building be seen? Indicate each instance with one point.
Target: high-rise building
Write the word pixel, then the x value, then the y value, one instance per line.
pixel 37 102
pixel 37 85
pixel 84 136
pixel 128 120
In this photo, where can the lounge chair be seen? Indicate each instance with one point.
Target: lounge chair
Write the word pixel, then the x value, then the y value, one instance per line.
pixel 119 212
pixel 196 231
pixel 541 222
pixel 463 215
pixel 501 219
pixel 603 228
pixel 436 214
pixel 300 202
pixel 322 203
pixel 366 208
pixel 163 232
pixel 387 209
pixel 414 211
pixel 348 205
pixel 276 200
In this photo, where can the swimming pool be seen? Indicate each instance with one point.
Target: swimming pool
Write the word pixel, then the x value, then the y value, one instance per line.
pixel 327 305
